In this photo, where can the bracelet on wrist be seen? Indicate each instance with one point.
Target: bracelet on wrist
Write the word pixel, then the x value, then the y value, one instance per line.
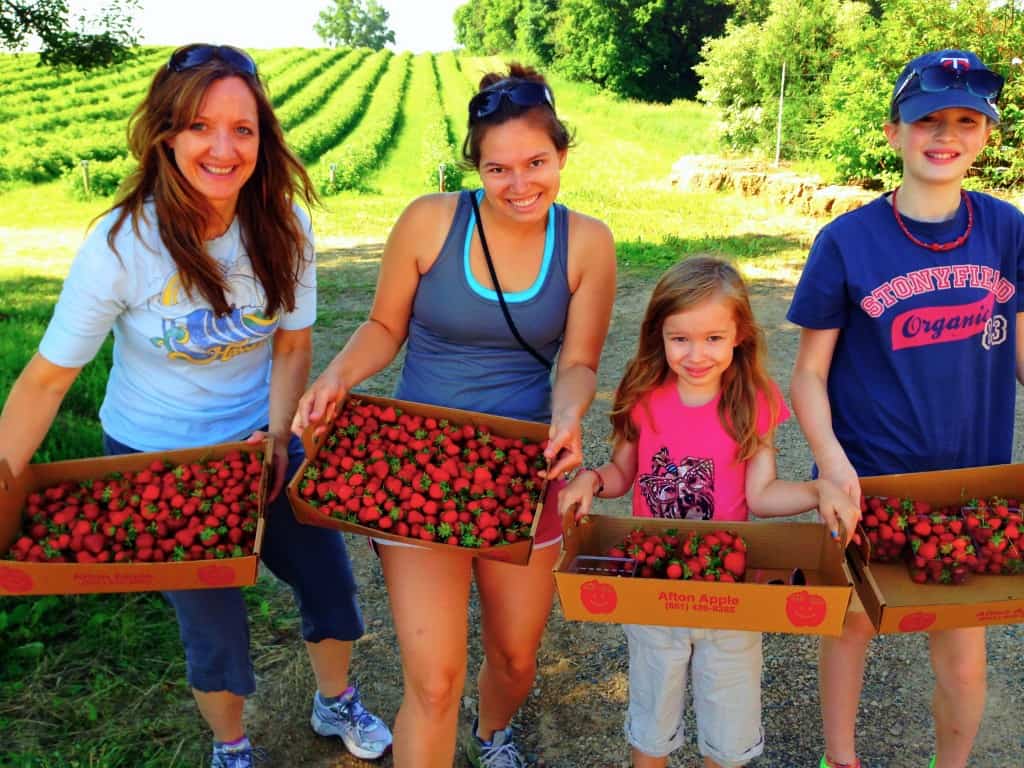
pixel 600 480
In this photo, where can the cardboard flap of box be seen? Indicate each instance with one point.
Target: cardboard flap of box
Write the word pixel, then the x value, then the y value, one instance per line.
pixel 950 486
pixel 9 524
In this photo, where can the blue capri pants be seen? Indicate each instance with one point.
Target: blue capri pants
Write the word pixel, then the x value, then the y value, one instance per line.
pixel 214 624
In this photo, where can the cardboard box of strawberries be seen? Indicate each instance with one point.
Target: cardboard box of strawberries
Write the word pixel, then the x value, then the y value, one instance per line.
pixel 759 576
pixel 456 481
pixel 187 519
pixel 939 550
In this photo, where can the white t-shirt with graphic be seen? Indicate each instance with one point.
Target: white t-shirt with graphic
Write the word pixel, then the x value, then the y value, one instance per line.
pixel 182 377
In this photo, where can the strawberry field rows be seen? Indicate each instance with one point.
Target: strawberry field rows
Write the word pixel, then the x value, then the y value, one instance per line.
pixel 341 111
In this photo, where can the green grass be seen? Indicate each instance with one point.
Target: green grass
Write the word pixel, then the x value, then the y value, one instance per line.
pixel 99 680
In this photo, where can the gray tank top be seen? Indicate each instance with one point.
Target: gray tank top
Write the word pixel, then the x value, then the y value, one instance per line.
pixel 460 351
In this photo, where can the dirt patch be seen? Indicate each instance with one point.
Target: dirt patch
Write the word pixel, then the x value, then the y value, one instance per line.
pixel 573 719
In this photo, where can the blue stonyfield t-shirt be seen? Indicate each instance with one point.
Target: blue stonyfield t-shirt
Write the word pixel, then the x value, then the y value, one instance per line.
pixel 924 371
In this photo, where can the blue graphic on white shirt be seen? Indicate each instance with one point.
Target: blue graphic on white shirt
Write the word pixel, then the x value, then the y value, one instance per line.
pixel 201 336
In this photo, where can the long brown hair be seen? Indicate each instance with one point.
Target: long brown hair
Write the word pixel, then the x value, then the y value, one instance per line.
pixel 542 115
pixel 271 234
pixel 684 286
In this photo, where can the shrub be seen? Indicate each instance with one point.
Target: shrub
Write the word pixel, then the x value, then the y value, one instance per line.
pixel 105 176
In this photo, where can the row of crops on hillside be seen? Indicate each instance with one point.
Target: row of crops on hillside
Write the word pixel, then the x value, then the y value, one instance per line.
pixel 341 111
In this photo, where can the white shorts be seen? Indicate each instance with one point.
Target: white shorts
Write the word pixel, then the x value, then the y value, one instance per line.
pixel 726 672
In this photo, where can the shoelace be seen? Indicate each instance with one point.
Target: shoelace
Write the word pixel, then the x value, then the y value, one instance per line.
pixel 241 759
pixel 504 756
pixel 364 720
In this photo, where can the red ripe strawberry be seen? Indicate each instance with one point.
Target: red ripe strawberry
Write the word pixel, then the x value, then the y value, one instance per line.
pixel 928 550
pixel 369 514
pixel 674 570
pixel 735 563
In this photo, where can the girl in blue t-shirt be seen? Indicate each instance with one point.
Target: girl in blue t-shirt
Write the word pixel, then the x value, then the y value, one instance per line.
pixel 909 356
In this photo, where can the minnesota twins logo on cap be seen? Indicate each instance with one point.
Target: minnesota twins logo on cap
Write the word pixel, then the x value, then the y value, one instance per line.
pixel 955 62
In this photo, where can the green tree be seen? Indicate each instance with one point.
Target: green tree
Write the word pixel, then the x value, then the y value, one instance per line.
pixel 99 41
pixel 643 49
pixel 741 71
pixel 487 27
pixel 750 10
pixel 535 30
pixel 355 24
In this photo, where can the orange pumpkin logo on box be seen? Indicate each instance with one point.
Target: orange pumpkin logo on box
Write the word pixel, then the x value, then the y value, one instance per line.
pixel 917 622
pixel 216 575
pixel 805 610
pixel 598 597
pixel 14 581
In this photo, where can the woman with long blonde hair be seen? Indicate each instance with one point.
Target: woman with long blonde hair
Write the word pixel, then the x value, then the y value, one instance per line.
pixel 204 270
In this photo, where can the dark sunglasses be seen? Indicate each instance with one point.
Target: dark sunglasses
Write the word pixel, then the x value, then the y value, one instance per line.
pixel 526 94
pixel 983 83
pixel 197 55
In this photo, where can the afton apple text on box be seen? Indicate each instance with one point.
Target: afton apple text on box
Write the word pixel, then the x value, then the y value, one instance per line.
pixel 112 579
pixel 704 603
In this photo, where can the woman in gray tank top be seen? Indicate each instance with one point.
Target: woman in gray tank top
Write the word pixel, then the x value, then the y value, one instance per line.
pixel 556 271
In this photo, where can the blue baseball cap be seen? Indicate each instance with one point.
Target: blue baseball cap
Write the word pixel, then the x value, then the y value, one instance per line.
pixel 945 79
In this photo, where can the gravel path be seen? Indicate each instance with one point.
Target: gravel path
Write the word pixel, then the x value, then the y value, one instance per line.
pixel 573 719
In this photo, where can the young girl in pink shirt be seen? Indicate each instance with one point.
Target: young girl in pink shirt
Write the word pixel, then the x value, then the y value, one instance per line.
pixel 693 424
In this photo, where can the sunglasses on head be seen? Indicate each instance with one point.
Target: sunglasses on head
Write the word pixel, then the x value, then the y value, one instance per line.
pixel 983 83
pixel 522 94
pixel 197 55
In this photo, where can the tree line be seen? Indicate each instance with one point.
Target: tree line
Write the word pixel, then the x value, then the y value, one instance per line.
pixel 841 58
pixel 643 49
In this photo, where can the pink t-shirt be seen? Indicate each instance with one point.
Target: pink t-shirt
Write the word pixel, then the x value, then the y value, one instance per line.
pixel 686 461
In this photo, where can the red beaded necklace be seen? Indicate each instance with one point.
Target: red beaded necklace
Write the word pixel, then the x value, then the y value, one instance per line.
pixel 936 246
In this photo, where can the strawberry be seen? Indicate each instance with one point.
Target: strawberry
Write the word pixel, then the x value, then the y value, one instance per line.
pixel 735 563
